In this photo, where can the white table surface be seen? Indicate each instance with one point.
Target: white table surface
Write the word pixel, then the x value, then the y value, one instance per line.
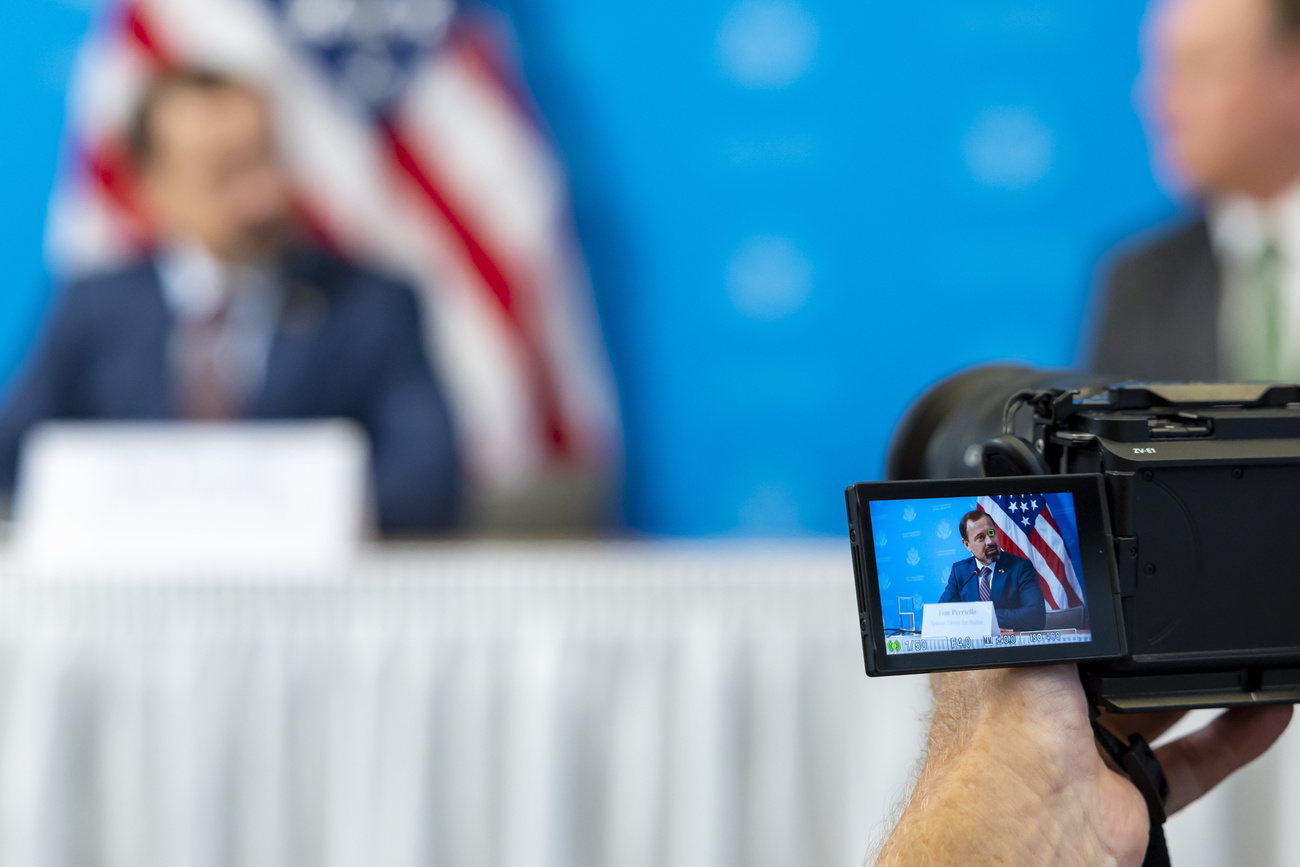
pixel 481 704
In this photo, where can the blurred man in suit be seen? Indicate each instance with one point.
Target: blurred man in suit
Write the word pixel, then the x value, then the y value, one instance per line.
pixel 1219 297
pixel 232 318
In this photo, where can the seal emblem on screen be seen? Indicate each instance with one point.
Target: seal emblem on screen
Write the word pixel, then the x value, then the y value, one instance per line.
pixel 909 514
pixel 913 556
pixel 944 529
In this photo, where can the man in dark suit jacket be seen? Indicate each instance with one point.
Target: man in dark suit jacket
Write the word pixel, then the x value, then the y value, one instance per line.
pixel 233 319
pixel 1213 298
pixel 992 575
pixel 1160 310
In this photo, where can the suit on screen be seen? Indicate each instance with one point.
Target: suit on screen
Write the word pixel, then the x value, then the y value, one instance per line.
pixel 347 344
pixel 1159 310
pixel 1015 594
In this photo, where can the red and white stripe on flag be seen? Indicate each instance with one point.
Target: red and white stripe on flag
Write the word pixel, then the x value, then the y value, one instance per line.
pixel 454 186
pixel 1042 546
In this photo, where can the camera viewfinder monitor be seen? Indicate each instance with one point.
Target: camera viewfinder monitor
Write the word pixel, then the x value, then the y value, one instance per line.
pixel 984 573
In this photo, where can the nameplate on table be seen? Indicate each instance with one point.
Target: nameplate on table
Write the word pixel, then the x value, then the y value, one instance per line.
pixel 238 498
pixel 958 620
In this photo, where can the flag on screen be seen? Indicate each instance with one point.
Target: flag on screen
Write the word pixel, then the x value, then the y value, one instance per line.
pixel 411 145
pixel 1027 529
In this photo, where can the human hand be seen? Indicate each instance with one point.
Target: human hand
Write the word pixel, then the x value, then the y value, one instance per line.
pixel 1198 762
pixel 1013 775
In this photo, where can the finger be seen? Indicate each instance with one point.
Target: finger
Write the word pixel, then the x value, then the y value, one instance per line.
pixel 1149 725
pixel 1199 762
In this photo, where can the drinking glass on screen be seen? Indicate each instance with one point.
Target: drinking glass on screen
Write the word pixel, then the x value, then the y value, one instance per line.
pixel 906 614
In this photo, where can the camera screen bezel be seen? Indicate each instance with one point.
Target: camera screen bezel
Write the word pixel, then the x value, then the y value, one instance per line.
pixel 1101 583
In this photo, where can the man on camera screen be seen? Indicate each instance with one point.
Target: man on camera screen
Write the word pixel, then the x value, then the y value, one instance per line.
pixel 993 575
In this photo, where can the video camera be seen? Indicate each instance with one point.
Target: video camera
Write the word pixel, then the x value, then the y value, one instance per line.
pixel 1152 522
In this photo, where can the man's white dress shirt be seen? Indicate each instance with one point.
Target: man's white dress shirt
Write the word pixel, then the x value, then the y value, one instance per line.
pixel 1240 228
pixel 196 286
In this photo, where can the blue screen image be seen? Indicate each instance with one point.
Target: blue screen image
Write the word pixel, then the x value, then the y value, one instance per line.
pixel 916 542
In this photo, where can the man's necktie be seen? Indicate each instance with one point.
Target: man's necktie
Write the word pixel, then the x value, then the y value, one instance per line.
pixel 985 593
pixel 207 389
pixel 1260 333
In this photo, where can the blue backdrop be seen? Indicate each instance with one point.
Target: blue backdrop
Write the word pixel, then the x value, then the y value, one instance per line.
pixel 917 541
pixel 797 215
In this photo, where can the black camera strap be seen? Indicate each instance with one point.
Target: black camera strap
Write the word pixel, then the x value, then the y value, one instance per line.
pixel 1143 769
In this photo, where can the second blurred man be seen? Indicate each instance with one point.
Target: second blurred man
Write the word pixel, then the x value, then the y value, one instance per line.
pixel 1219 297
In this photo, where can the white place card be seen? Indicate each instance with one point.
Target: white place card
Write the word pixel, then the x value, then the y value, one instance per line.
pixel 201 499
pixel 958 620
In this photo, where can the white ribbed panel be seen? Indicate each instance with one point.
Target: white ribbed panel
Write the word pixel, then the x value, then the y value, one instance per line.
pixel 538 706
pixel 625 705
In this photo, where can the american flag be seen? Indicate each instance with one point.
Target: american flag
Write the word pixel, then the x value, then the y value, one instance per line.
pixel 1027 529
pixel 412 145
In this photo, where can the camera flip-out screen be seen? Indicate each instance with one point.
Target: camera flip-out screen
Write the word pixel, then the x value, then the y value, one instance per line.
pixel 983 573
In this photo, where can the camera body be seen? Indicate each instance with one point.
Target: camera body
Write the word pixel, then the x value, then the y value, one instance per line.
pixel 1186 547
pixel 1203 496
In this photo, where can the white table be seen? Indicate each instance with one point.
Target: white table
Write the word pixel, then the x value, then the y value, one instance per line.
pixel 517 705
